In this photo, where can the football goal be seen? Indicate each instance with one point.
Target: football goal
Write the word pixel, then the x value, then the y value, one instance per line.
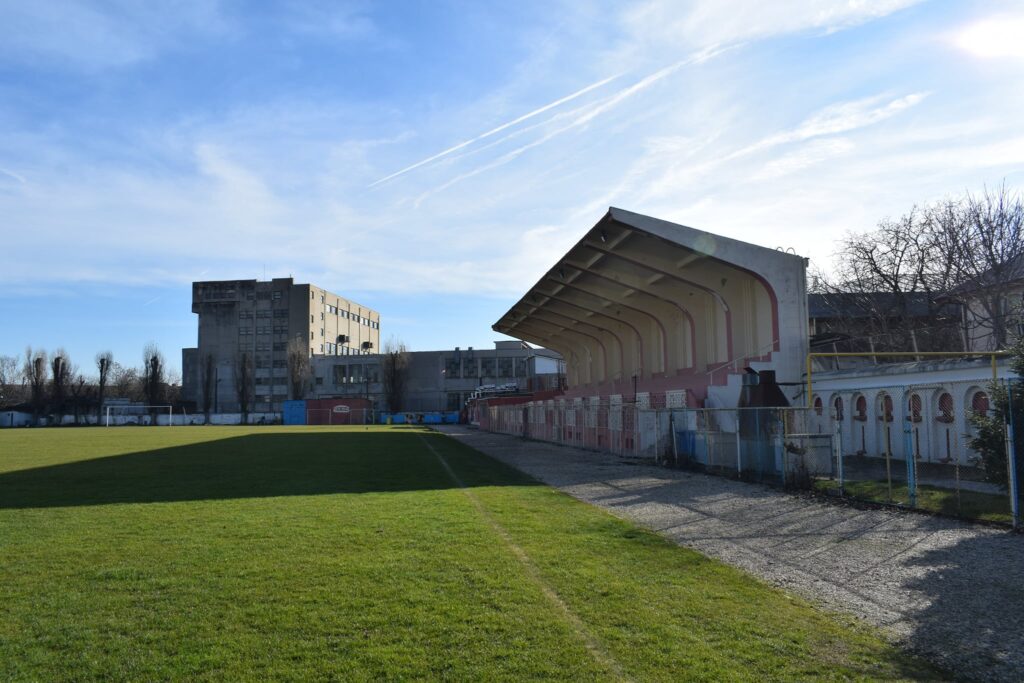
pixel 139 415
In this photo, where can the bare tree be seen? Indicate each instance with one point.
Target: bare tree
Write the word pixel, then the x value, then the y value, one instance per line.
pixel 986 235
pixel 125 382
pixel 243 384
pixel 395 372
pixel 79 391
pixel 885 292
pixel 104 364
pixel 208 384
pixel 60 377
pixel 298 367
pixel 11 380
pixel 36 372
pixel 153 377
pixel 897 287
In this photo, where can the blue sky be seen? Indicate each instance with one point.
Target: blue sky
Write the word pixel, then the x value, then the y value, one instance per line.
pixel 432 159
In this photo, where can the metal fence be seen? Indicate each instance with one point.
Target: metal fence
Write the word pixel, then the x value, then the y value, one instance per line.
pixel 625 429
pixel 911 446
pixel 944 447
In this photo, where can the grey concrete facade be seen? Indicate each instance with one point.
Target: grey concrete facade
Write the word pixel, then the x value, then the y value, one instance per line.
pixel 260 319
pixel 440 380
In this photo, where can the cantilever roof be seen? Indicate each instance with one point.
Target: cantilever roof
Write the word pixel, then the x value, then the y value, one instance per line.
pixel 640 296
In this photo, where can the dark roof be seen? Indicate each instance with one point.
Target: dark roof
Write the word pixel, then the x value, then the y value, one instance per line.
pixel 857 305
pixel 1003 274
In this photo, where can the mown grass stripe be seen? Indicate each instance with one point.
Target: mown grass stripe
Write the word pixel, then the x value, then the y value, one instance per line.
pixel 593 645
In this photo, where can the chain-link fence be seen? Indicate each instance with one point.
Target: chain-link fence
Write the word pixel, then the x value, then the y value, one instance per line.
pixel 942 447
pixel 947 448
pixel 624 428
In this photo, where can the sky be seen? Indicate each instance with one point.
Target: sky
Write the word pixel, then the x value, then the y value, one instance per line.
pixel 431 160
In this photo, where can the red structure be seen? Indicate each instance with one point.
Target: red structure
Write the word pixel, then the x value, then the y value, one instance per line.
pixel 338 411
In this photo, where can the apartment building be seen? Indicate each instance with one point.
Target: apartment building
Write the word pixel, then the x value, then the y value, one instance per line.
pixel 260 319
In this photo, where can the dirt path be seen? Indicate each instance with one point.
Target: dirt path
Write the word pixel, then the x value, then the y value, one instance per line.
pixel 949 590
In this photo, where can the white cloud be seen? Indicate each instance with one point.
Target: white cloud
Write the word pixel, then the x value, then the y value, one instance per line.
pixel 90 35
pixel 714 22
pixel 814 152
pixel 994 37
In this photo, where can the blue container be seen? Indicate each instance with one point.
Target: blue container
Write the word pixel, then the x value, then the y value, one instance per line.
pixel 686 444
pixel 294 412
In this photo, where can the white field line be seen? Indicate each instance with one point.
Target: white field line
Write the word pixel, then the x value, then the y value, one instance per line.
pixel 592 644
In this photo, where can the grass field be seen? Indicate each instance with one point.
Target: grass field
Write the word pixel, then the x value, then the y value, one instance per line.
pixel 222 553
pixel 984 507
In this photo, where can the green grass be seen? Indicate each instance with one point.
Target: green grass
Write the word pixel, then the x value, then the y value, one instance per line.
pixel 985 507
pixel 229 554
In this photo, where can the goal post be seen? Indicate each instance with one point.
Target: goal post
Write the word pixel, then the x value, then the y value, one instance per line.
pixel 121 414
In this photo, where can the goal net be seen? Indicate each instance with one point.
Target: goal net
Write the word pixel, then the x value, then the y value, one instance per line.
pixel 117 415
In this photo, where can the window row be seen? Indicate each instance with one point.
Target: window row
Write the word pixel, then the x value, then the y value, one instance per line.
pixel 884 408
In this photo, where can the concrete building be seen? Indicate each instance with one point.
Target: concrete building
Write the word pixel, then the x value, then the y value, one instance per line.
pixel 260 319
pixel 650 311
pixel 442 380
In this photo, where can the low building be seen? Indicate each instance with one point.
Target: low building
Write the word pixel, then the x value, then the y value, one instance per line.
pixel 442 380
pixel 259 320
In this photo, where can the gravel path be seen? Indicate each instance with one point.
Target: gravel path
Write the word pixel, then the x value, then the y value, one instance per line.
pixel 951 591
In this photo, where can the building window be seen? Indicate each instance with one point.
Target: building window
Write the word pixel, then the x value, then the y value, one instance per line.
pixel 319 381
pixel 819 407
pixel 277 295
pixel 837 405
pixel 311 337
pixel 312 295
pixel 321 315
pixel 451 367
pixel 321 331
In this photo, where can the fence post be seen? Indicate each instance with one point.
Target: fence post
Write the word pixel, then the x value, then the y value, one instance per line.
pixel 1011 460
pixel 837 450
pixel 672 435
pixel 908 453
pixel 739 459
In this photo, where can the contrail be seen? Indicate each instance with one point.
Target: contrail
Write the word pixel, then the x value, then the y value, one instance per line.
pixel 500 128
pixel 589 113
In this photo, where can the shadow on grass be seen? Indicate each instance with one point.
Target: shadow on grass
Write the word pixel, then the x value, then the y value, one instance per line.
pixel 252 466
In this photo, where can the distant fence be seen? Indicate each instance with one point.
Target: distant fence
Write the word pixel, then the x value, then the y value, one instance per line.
pixel 899 452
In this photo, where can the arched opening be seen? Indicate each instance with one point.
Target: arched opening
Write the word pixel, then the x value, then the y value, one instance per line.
pixel 979 403
pixel 914 408
pixel 860 409
pixel 945 438
pixel 837 408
